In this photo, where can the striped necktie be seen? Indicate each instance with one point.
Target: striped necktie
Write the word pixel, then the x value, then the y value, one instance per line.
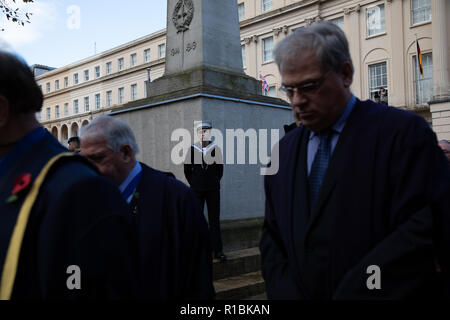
pixel 319 167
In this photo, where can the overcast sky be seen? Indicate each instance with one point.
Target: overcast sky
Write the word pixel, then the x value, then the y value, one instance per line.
pixel 65 31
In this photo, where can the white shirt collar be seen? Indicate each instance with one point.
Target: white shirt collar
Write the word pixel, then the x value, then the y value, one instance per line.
pixel 206 149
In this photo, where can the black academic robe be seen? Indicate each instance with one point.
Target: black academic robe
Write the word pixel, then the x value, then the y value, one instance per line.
pixel 384 202
pixel 79 219
pixel 173 240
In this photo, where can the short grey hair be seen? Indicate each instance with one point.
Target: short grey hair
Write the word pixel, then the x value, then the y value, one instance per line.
pixel 116 132
pixel 325 38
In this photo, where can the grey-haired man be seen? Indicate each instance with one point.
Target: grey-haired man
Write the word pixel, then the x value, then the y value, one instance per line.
pixel 358 208
pixel 173 249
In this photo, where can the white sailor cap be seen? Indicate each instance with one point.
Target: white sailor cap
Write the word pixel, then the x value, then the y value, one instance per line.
pixel 202 124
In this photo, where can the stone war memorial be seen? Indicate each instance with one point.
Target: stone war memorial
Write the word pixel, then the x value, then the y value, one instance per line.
pixel 204 81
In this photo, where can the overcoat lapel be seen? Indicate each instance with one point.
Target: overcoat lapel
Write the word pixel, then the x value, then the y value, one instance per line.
pixel 149 210
pixel 300 200
pixel 296 199
pixel 291 157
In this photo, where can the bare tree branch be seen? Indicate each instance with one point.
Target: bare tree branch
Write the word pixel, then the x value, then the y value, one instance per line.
pixel 13 13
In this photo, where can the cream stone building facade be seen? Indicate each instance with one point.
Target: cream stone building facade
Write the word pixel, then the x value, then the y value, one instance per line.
pixel 382 36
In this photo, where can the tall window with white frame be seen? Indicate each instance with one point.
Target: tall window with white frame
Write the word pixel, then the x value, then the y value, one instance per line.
pixel 161 51
pixel 86 75
pixel 133 60
pixel 76 109
pixel 423 86
pixel 56 85
pixel 48 87
pixel 244 64
pixel 108 98
pixel 121 95
pixel 97 101
pixel 108 68
pixel 86 104
pixel 376 20
pixel 133 92
pixel 146 55
pixel 48 113
pixel 97 72
pixel 66 109
pixel 241 10
pixel 267 44
pixel 121 64
pixel 378 86
pixel 56 112
pixel 420 11
pixel 266 5
pixel 66 82
pixel 75 78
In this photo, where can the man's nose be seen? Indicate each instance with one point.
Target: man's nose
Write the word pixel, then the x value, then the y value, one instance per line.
pixel 298 99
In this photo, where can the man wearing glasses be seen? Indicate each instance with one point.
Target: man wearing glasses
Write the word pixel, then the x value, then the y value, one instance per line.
pixel 356 210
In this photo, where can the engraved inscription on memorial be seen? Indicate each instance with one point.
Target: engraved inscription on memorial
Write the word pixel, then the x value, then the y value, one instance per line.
pixel 183 14
pixel 191 46
pixel 174 51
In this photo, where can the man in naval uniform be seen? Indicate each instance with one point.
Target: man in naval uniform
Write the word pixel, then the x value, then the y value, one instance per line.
pixel 174 253
pixel 50 246
pixel 203 169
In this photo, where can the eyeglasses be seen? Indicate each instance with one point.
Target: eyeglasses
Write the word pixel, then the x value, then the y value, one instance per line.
pixel 305 88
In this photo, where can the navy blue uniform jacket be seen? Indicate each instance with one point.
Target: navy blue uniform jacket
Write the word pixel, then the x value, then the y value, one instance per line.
pixel 79 218
pixel 387 187
pixel 173 240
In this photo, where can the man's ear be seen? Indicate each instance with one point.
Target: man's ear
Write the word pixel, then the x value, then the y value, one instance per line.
pixel 347 74
pixel 127 152
pixel 4 111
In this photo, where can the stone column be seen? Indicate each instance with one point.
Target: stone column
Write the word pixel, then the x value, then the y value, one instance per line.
pixel 440 104
pixel 397 84
pixel 203 49
pixel 249 66
pixel 440 14
pixel 351 26
pixel 202 33
pixel 254 44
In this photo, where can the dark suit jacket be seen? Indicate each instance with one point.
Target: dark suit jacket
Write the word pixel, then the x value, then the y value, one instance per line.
pixel 79 218
pixel 384 202
pixel 173 239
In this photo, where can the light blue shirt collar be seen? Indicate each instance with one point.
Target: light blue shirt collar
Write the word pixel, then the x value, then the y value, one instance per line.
pixel 136 170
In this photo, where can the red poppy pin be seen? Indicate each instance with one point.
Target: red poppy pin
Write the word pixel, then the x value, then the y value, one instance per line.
pixel 20 184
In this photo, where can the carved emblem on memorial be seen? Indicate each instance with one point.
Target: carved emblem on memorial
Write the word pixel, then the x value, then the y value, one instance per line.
pixel 183 14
